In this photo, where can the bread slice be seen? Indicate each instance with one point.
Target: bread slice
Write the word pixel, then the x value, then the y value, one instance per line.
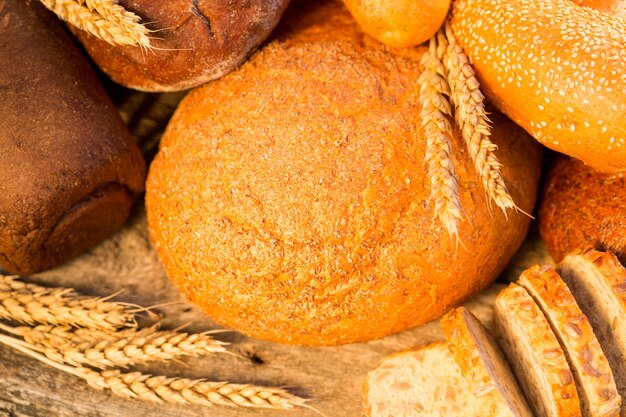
pixel 483 365
pixel 425 382
pixel 598 281
pixel 590 368
pixel 535 354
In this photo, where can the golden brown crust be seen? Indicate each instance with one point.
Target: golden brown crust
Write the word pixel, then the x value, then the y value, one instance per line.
pixel 301 214
pixel 404 384
pixel 610 268
pixel 483 365
pixel 581 207
pixel 69 169
pixel 542 370
pixel 598 282
pixel 590 367
pixel 195 41
pixel 556 69
pixel 399 23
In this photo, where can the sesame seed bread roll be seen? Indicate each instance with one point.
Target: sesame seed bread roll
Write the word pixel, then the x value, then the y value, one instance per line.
pixel 483 365
pixel 558 69
pixel 598 281
pixel 425 382
pixel 302 214
pixel 592 374
pixel 581 207
pixel 399 23
pixel 534 352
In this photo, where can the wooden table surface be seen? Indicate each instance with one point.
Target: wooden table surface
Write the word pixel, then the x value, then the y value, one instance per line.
pixel 331 377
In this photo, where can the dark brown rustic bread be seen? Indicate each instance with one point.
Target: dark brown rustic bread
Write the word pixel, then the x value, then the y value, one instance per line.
pixel 590 368
pixel 483 365
pixel 598 281
pixel 69 169
pixel 535 355
pixel 195 41
pixel 290 201
pixel 581 207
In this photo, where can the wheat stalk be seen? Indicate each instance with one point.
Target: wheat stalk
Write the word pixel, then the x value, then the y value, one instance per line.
pixel 471 118
pixel 188 391
pixel 434 120
pixel 30 303
pixel 104 19
pixel 120 349
pixel 172 390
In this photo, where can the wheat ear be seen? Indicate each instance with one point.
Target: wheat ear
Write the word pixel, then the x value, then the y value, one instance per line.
pixel 63 345
pixel 438 130
pixel 471 118
pixel 104 19
pixel 30 303
pixel 172 390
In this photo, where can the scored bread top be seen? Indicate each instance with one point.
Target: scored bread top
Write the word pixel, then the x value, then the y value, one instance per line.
pixel 589 365
pixel 483 365
pixel 535 354
pixel 598 281
pixel 424 382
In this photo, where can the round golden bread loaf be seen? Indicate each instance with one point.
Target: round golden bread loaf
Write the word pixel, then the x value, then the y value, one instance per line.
pixel 399 23
pixel 290 201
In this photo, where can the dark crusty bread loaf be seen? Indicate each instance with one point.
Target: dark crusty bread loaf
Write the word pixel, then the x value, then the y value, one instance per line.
pixel 589 366
pixel 195 41
pixel 581 207
pixel 69 169
pixel 289 198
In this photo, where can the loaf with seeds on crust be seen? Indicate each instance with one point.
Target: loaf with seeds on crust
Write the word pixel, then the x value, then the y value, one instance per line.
pixel 483 365
pixel 598 281
pixel 590 368
pixel 557 68
pixel 535 354
pixel 581 207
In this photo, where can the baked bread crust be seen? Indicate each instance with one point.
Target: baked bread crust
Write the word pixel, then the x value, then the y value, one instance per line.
pixel 404 384
pixel 589 365
pixel 302 215
pixel 555 68
pixel 195 41
pixel 598 281
pixel 581 207
pixel 69 168
pixel 399 23
pixel 483 365
pixel 536 357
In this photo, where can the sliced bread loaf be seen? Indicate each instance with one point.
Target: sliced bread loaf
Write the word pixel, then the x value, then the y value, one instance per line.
pixel 535 354
pixel 589 366
pixel 425 382
pixel 483 365
pixel 598 281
